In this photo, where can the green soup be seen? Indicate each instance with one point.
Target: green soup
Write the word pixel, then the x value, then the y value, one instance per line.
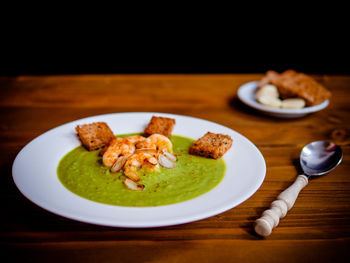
pixel 83 173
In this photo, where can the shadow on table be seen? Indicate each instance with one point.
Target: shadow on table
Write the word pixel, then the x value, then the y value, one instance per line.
pixel 236 104
pixel 249 226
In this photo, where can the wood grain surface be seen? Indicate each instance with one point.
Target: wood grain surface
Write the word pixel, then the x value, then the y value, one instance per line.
pixel 317 229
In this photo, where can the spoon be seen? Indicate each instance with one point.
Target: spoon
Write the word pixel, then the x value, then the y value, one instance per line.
pixel 316 158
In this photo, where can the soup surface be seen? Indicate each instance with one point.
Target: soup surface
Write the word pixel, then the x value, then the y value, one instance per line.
pixel 83 173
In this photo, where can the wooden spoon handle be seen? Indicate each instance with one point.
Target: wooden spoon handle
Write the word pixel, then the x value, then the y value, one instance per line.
pixel 279 208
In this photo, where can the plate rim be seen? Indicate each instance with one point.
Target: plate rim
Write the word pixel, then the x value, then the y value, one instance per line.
pixel 254 104
pixel 168 222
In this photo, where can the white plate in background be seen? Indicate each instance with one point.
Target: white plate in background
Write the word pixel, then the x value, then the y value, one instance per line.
pixel 246 94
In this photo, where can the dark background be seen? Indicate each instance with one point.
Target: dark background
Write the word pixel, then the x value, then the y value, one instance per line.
pixel 176 39
pixel 44 52
pixel 169 61
pixel 235 60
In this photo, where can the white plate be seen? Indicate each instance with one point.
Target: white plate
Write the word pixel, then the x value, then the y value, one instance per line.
pixel 246 93
pixel 34 172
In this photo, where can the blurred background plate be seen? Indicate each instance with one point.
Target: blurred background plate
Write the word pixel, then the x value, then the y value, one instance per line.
pixel 246 94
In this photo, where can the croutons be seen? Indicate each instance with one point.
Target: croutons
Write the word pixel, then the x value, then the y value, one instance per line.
pixel 291 84
pixel 94 135
pixel 211 145
pixel 160 125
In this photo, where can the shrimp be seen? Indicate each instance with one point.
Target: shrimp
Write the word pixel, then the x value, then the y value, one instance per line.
pixel 118 147
pixel 135 139
pixel 137 161
pixel 161 142
pixel 161 148
pixel 136 152
pixel 145 144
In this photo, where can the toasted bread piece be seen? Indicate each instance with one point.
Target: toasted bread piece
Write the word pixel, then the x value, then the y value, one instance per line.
pixel 291 84
pixel 211 145
pixel 160 125
pixel 94 135
pixel 267 79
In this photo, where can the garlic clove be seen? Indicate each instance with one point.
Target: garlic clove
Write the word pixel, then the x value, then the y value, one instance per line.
pixel 270 101
pixel 268 90
pixel 130 184
pixel 170 156
pixel 294 103
pixel 151 160
pixel 165 162
pixel 119 164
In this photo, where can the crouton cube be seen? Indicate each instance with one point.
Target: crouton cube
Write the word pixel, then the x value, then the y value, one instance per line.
pixel 94 135
pixel 160 125
pixel 211 145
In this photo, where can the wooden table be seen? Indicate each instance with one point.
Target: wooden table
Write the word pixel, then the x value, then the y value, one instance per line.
pixel 317 229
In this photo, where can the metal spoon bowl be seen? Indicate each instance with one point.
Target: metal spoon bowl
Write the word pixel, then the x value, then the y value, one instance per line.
pixel 319 158
pixel 316 158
